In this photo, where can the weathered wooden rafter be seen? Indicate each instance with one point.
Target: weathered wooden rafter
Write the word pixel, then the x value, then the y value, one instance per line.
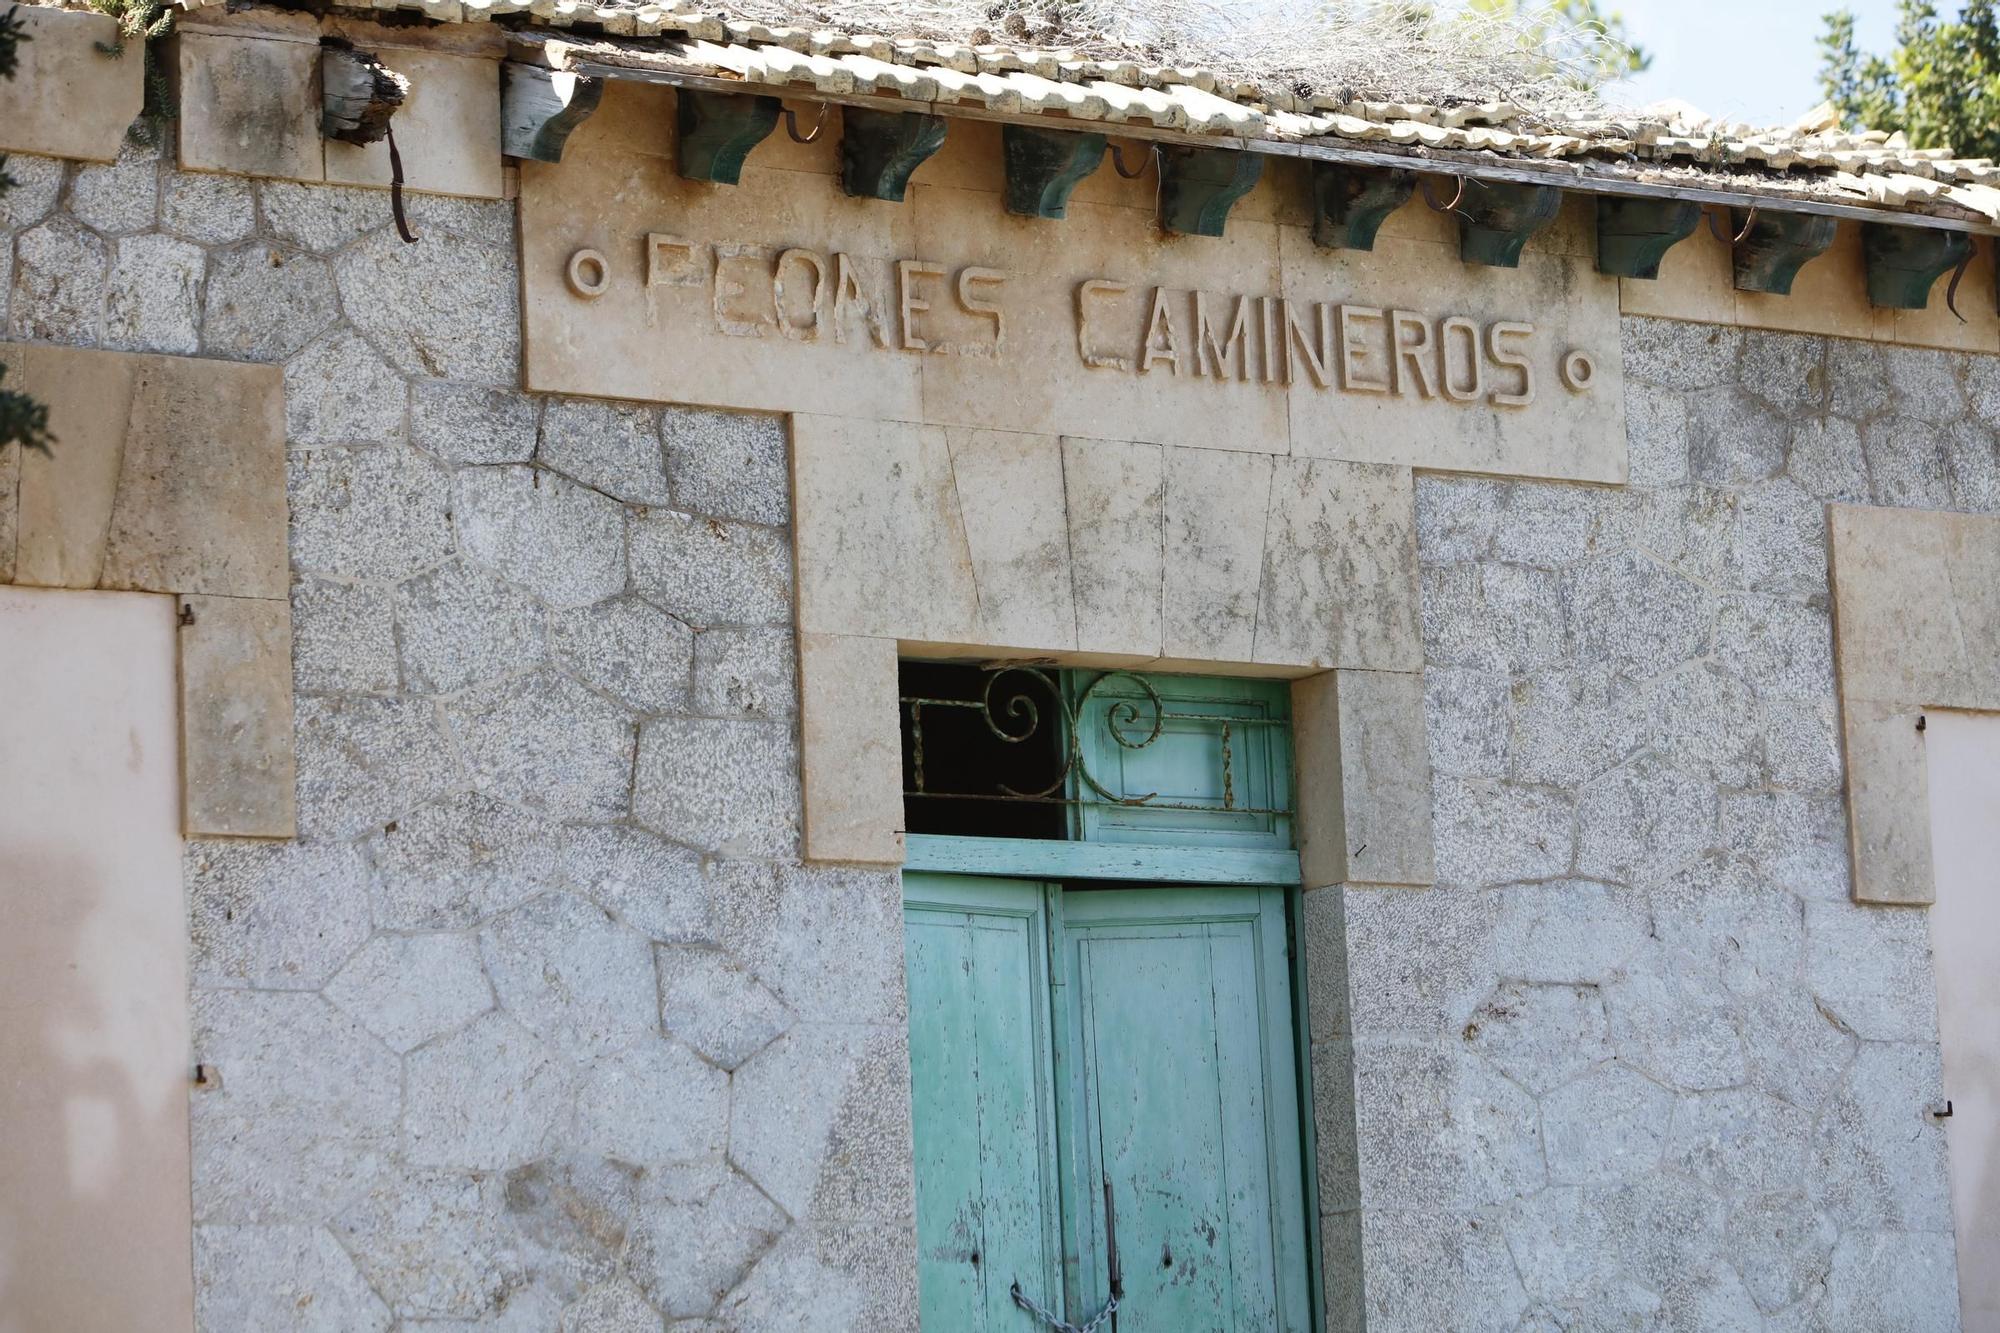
pixel 1198 187
pixel 1350 203
pixel 1904 263
pixel 1044 166
pixel 358 94
pixel 1496 218
pixel 879 150
pixel 539 109
pixel 718 130
pixel 1634 235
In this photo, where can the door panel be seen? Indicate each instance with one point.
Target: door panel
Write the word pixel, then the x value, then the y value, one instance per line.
pixel 988 1210
pixel 1184 1097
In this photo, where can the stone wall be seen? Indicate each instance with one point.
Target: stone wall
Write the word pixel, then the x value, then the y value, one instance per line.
pixel 541 1023
pixel 1637 1060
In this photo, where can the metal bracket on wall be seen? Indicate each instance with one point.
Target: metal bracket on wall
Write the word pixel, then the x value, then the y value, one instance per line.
pixel 1044 166
pixel 1350 203
pixel 1198 187
pixel 1634 235
pixel 1775 246
pixel 1496 218
pixel 1904 263
pixel 718 130
pixel 879 150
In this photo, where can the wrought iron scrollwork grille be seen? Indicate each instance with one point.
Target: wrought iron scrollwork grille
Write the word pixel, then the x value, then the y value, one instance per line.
pixel 1128 709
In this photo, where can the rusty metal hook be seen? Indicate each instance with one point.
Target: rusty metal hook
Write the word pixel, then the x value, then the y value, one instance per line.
pixel 1951 292
pixel 1720 235
pixel 1430 200
pixel 1118 162
pixel 792 124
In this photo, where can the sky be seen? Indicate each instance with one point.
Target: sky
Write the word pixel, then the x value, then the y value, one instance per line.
pixel 1747 60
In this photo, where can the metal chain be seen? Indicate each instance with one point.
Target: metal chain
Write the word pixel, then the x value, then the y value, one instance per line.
pixel 1027 1302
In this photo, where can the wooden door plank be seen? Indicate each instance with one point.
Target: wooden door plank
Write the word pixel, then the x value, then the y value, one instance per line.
pixel 988 1207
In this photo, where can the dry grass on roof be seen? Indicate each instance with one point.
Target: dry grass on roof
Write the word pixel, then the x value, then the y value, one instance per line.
pixel 1373 50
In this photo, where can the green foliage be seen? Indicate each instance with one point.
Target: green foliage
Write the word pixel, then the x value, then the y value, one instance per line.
pixel 22 419
pixel 147 22
pixel 1940 86
pixel 1560 22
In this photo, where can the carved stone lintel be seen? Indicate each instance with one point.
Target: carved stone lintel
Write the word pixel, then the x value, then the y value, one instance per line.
pixel 879 150
pixel 1044 166
pixel 1198 187
pixel 1634 235
pixel 1496 218
pixel 540 109
pixel 718 130
pixel 1904 263
pixel 1351 203
pixel 1776 247
pixel 358 94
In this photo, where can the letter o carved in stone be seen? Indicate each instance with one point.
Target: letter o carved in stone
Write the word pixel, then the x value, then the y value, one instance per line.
pixel 589 275
pixel 1577 370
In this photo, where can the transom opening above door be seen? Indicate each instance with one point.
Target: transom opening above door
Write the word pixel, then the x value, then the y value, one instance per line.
pixel 1112 758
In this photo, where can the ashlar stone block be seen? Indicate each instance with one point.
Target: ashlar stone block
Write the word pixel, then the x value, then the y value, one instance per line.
pixel 449 129
pixel 68 97
pixel 850 732
pixel 1365 778
pixel 238 766
pixel 250 106
pixel 171 481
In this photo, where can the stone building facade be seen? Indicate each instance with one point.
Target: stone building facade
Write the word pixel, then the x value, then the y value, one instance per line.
pixel 546 1019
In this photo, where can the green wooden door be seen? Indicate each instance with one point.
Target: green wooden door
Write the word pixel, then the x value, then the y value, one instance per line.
pixel 1153 1029
pixel 1184 1098
pixel 983 1102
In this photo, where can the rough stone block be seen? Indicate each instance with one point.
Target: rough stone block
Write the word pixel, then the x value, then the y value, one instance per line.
pixel 512 520
pixel 364 762
pixel 238 766
pixel 723 786
pixel 572 975
pixel 729 464
pixel 408 989
pixel 448 129
pixel 170 478
pixel 390 291
pixel 745 673
pixel 629 649
pixel 851 749
pixel 454 863
pixel 611 447
pixel 266 1277
pixel 249 106
pixel 67 97
pixel 486 1098
pixel 547 743
pixel 283 916
pixel 462 627
pixel 693 1244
